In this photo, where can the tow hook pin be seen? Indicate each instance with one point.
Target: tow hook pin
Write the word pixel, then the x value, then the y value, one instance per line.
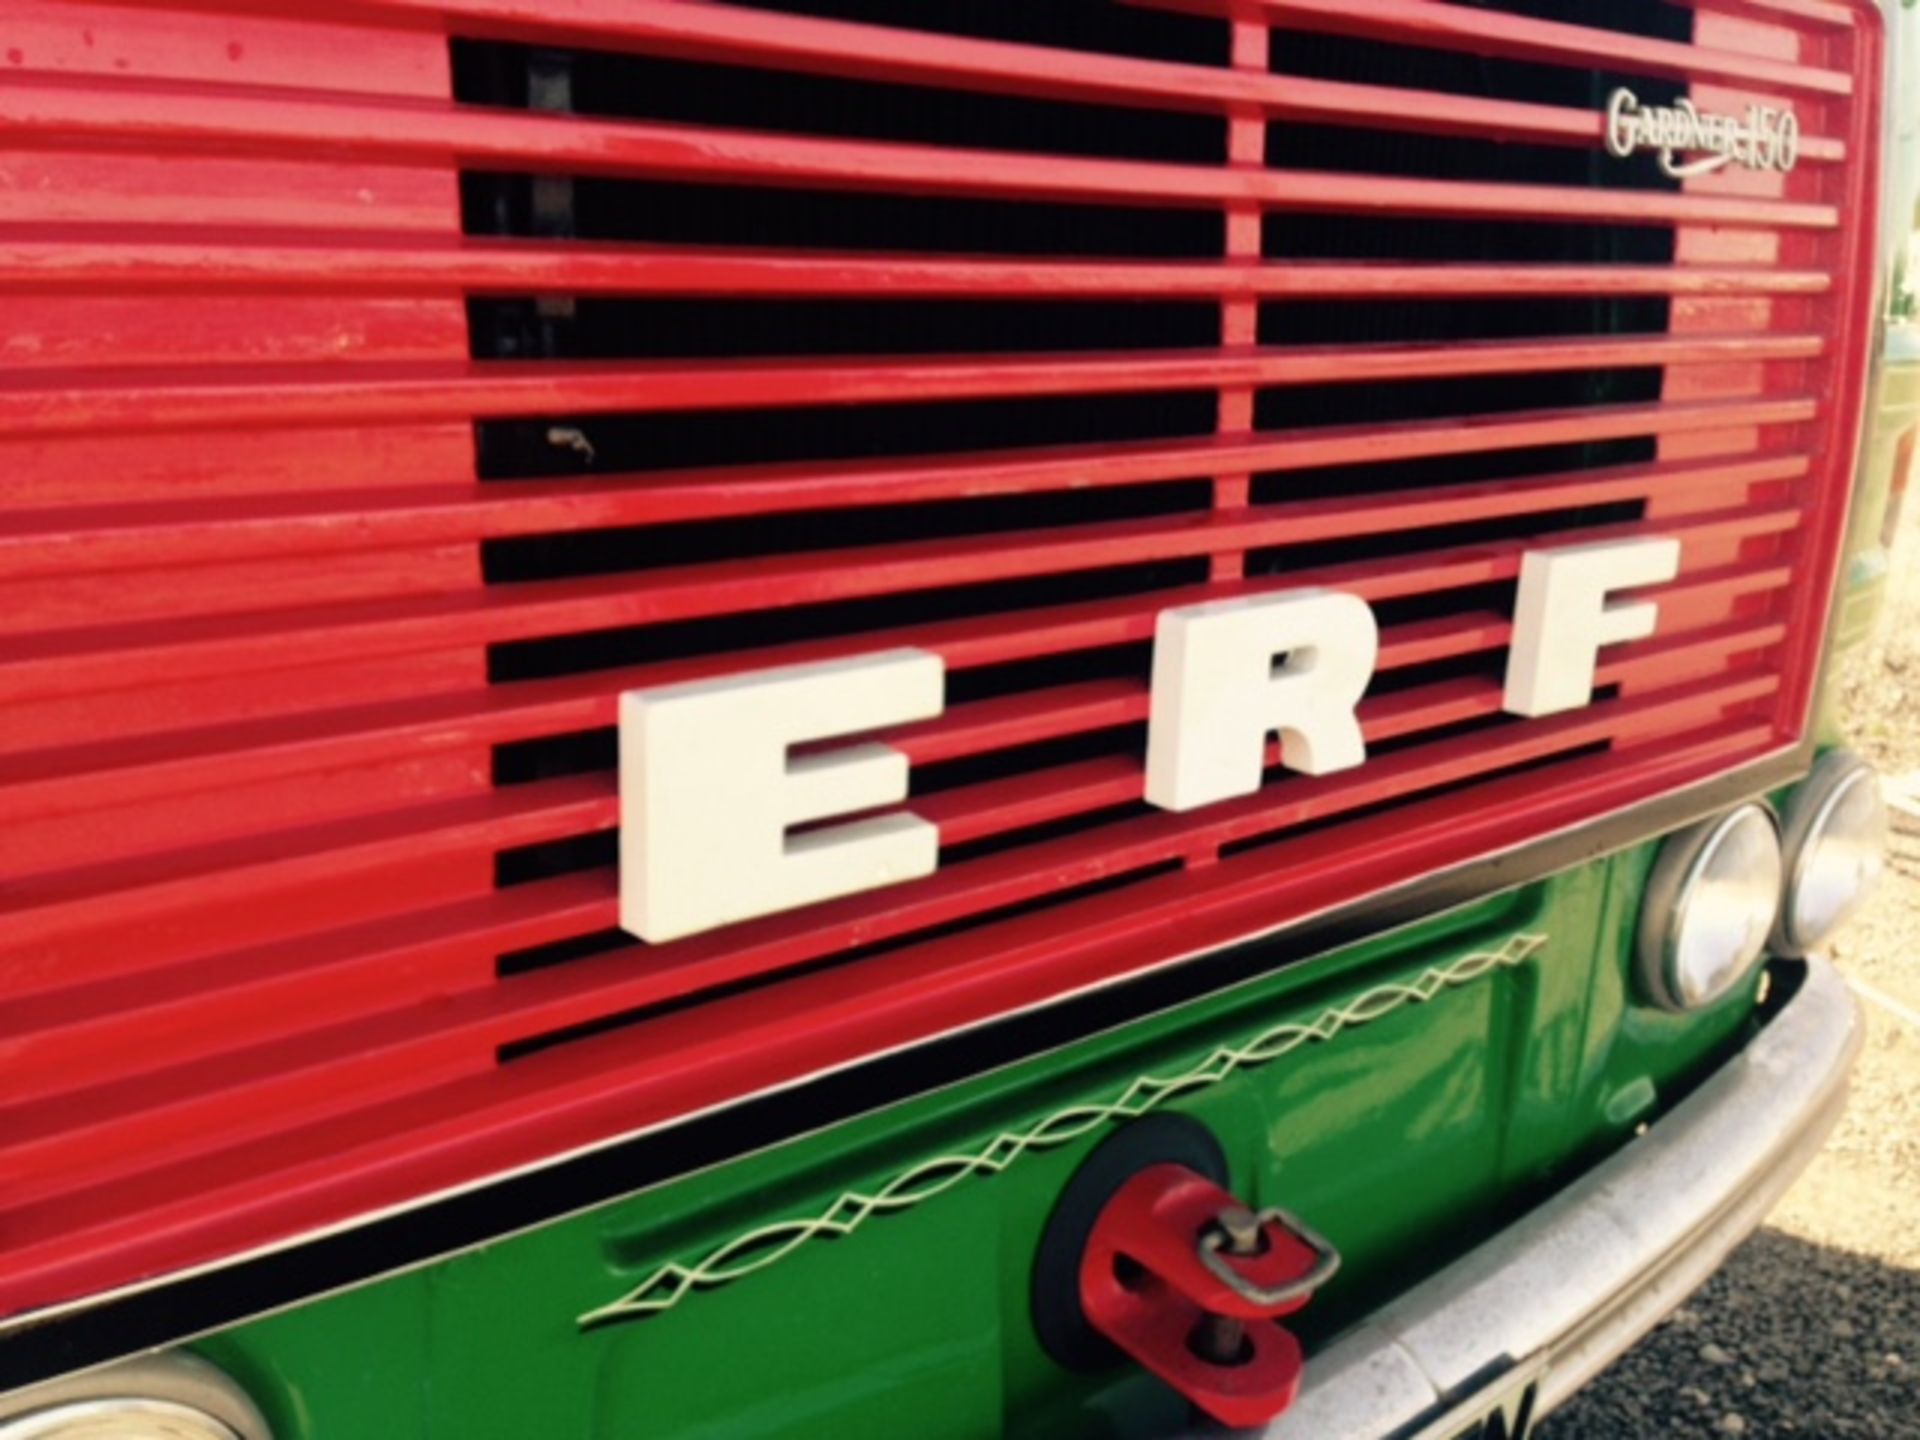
pixel 1240 1228
pixel 1188 1282
pixel 1221 1339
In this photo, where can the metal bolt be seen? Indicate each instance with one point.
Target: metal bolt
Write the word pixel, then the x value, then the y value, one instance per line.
pixel 1220 1339
pixel 1241 1227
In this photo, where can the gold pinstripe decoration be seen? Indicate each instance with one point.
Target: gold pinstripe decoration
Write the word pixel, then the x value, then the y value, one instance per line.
pixel 760 1249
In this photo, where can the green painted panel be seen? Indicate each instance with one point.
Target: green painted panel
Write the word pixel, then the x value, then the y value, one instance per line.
pixel 1404 1116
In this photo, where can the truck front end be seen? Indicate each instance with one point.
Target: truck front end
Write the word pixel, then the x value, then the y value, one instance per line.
pixel 819 717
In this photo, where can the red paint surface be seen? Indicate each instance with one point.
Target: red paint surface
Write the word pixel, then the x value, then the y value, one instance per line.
pixel 1153 1224
pixel 248 928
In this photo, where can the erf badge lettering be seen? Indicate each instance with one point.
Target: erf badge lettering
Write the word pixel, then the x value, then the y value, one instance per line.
pixel 725 795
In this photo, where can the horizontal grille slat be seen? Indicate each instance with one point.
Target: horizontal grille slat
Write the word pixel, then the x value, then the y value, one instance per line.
pixel 140 654
pixel 93 776
pixel 54 541
pixel 1430 22
pixel 122 893
pixel 76 260
pixel 787 41
pixel 424 135
pixel 133 893
pixel 94 401
pixel 365 438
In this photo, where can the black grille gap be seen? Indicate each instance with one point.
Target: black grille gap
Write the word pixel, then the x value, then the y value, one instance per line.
pixel 560 952
pixel 675 213
pixel 1097 25
pixel 1278 560
pixel 573 654
pixel 1539 460
pixel 1655 19
pixel 1310 406
pixel 545 859
pixel 1301 146
pixel 526 449
pixel 646 547
pixel 685 92
pixel 705 329
pixel 625 1019
pixel 1507 772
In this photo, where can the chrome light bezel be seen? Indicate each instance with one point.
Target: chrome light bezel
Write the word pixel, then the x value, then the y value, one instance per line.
pixel 1835 778
pixel 1673 887
pixel 171 1396
pixel 123 1417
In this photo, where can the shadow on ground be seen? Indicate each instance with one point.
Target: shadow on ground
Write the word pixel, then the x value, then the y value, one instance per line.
pixel 1788 1339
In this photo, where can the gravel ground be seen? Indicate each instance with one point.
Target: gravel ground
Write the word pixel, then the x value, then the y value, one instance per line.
pixel 1813 1327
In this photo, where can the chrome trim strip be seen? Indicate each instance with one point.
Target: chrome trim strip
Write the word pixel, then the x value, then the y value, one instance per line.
pixel 1589 1272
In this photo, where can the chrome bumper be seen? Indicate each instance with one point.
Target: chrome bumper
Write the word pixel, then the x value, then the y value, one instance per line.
pixel 1589 1272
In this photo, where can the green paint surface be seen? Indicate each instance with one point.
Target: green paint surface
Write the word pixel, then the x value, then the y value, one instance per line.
pixel 1404 1139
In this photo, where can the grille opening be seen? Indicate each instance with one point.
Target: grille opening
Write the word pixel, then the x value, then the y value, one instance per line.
pixel 546 859
pixel 549 757
pixel 1278 560
pixel 1365 60
pixel 1129 741
pixel 561 952
pixel 679 213
pixel 524 450
pixel 1479 664
pixel 1098 25
pixel 645 547
pixel 1655 19
pixel 1464 397
pixel 739 329
pixel 1431 605
pixel 1477 725
pixel 693 213
pixel 655 89
pixel 987 682
pixel 1053 830
pixel 1326 482
pixel 1365 322
pixel 1399 803
pixel 1299 407
pixel 532 1045
pixel 621 1019
pixel 1301 145
pixel 1297 145
pixel 1298 235
pixel 606 649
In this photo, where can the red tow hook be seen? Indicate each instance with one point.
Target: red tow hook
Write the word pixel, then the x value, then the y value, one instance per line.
pixel 1187 1280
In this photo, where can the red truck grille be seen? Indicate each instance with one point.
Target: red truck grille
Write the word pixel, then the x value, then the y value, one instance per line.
pixel 385 394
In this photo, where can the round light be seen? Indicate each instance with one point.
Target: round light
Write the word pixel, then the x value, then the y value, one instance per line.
pixel 1711 900
pixel 127 1418
pixel 171 1396
pixel 1836 845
